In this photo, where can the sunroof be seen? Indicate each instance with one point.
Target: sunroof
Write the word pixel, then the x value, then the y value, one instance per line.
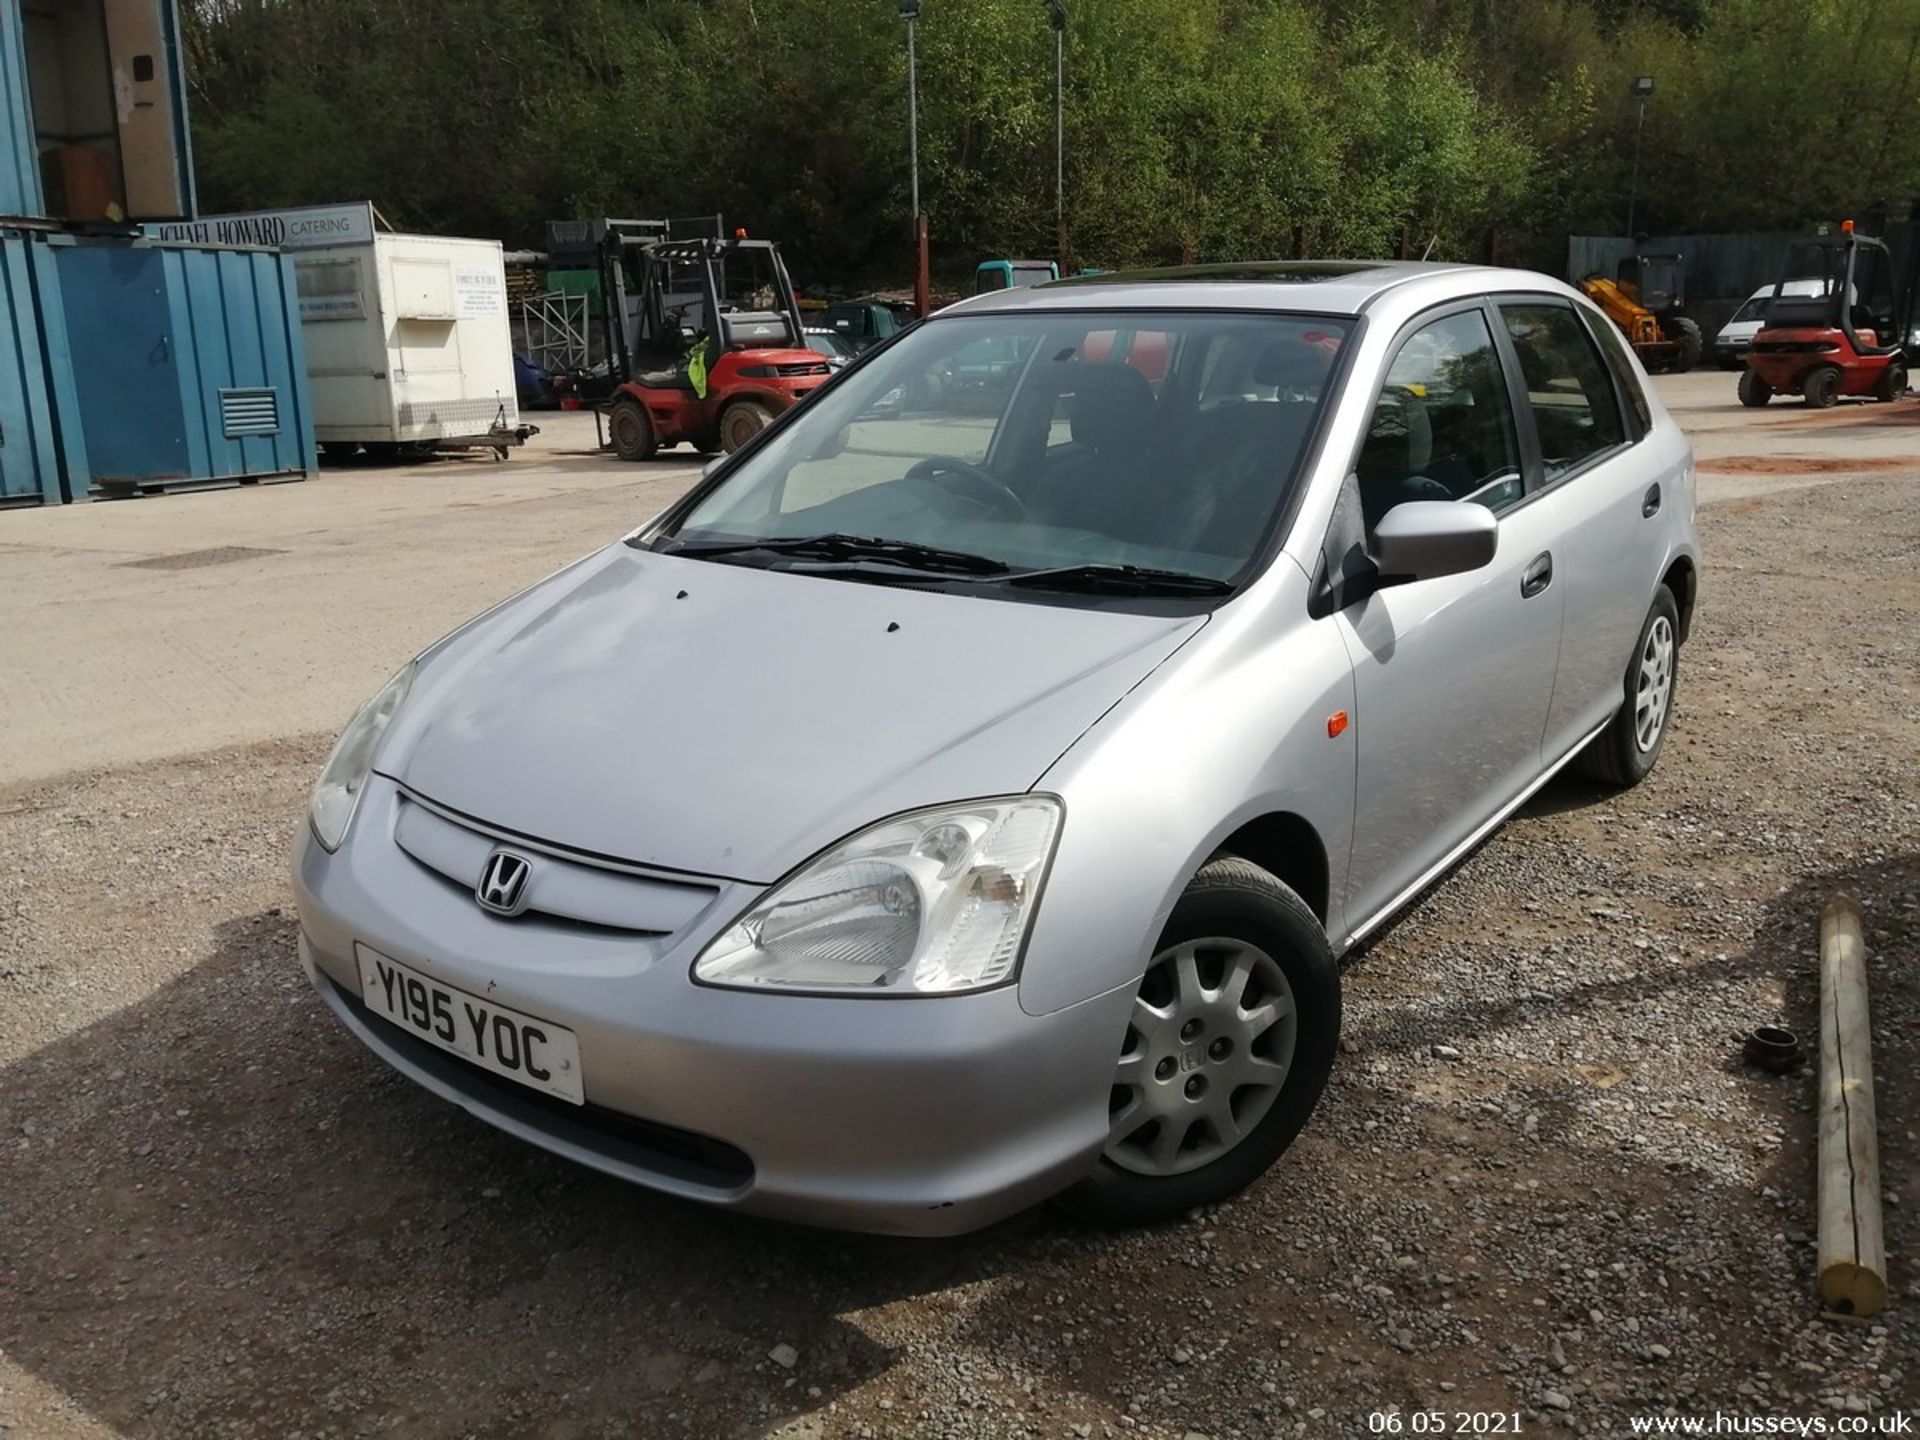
pixel 1257 272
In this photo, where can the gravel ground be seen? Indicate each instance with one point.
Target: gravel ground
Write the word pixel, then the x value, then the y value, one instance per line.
pixel 1541 1181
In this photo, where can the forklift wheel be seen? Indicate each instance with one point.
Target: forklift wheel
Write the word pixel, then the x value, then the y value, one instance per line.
pixel 1893 383
pixel 630 430
pixel 1821 387
pixel 741 421
pixel 1754 392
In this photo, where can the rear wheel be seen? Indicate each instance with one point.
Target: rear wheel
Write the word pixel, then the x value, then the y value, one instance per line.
pixel 1686 335
pixel 1893 383
pixel 741 421
pixel 1754 392
pixel 1231 1039
pixel 630 430
pixel 1821 387
pixel 1625 752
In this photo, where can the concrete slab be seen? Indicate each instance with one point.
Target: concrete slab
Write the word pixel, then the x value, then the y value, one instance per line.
pixel 279 608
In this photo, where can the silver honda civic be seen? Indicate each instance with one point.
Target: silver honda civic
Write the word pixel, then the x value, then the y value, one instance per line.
pixel 964 795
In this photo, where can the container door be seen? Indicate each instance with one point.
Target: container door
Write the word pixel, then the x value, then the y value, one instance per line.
pixel 121 333
pixel 153 134
pixel 29 461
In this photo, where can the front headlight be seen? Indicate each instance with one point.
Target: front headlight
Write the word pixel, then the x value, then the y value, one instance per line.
pixel 345 773
pixel 925 904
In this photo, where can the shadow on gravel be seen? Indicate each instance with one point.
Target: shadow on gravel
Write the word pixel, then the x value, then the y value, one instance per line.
pixel 228 1218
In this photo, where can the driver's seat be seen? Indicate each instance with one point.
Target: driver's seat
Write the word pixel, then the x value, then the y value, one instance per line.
pixel 1110 415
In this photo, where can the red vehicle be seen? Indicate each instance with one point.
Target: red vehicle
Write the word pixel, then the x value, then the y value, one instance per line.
pixel 675 306
pixel 1844 341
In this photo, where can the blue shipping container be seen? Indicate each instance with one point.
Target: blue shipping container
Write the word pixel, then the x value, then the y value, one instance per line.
pixel 40 440
pixel 190 361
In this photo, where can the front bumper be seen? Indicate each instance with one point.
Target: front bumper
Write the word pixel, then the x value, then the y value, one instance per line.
pixel 907 1116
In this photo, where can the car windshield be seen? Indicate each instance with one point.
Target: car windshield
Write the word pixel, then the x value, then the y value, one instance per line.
pixel 1140 444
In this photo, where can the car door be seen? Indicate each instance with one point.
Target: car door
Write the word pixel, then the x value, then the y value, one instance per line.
pixel 1453 676
pixel 1609 494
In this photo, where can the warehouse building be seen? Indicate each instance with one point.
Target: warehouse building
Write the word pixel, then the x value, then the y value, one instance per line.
pixel 127 363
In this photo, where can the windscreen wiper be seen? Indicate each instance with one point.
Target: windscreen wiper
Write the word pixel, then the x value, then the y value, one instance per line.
pixel 839 547
pixel 1119 580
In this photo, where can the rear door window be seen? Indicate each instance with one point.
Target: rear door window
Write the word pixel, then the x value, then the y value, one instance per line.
pixel 1575 411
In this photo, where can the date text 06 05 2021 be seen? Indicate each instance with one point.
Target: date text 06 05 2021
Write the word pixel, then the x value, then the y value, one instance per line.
pixel 1444 1422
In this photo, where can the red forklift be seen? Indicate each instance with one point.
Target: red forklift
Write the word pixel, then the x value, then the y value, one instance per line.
pixel 703 339
pixel 1846 340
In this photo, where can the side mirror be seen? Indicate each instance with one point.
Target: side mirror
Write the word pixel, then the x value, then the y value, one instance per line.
pixel 1425 539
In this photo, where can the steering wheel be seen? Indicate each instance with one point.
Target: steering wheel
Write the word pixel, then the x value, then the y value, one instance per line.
pixel 990 494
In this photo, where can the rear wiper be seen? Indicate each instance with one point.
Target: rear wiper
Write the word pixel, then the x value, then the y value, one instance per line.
pixel 1120 579
pixel 835 546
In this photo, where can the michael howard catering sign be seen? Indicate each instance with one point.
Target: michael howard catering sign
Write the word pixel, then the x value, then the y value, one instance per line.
pixel 305 228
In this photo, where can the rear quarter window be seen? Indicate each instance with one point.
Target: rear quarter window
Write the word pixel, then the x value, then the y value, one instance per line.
pixel 1613 345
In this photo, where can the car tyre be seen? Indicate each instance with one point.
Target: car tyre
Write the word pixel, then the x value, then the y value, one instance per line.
pixel 741 421
pixel 1892 385
pixel 630 429
pixel 1623 754
pixel 1754 392
pixel 1258 945
pixel 1821 387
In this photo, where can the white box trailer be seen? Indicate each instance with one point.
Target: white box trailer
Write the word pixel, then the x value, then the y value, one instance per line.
pixel 406 335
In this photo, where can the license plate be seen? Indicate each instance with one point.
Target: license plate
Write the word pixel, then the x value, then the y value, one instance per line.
pixel 537 1053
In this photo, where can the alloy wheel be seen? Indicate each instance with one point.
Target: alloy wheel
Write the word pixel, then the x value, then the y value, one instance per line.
pixel 1207 1052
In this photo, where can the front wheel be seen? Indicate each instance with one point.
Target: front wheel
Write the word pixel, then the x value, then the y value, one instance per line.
pixel 1231 1039
pixel 1688 342
pixel 631 430
pixel 741 421
pixel 1623 754
pixel 1893 383
pixel 1821 387
pixel 1754 392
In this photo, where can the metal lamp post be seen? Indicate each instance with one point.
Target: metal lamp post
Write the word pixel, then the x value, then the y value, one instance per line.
pixel 922 278
pixel 1057 14
pixel 1641 90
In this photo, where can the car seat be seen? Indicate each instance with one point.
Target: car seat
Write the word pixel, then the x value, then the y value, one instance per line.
pixel 1398 448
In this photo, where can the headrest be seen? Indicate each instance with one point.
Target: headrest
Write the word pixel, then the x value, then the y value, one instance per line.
pixel 1292 364
pixel 1112 407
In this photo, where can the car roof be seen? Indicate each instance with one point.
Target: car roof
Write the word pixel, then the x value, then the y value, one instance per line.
pixel 1327 287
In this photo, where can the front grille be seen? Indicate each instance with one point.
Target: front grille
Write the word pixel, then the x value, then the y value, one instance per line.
pixel 795 371
pixel 564 887
pixel 691 1159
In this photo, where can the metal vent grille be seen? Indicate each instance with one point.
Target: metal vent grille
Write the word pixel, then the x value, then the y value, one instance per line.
pixel 249 412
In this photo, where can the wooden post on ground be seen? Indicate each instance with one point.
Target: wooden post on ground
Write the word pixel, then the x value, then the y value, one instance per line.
pixel 1852 1253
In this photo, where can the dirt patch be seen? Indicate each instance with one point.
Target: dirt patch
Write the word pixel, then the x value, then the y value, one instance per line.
pixel 199 559
pixel 1862 413
pixel 1804 464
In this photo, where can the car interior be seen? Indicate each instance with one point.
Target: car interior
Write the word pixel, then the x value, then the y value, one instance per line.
pixel 1168 446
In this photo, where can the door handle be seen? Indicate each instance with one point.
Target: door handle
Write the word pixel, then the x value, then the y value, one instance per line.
pixel 1537 576
pixel 1650 502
